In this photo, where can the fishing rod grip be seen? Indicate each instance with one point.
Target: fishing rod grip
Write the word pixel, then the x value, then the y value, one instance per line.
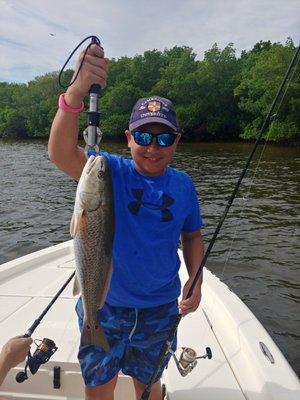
pixel 163 352
pixel 33 327
pixel 92 135
pixel 95 88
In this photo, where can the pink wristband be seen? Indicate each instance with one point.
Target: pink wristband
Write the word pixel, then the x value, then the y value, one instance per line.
pixel 64 106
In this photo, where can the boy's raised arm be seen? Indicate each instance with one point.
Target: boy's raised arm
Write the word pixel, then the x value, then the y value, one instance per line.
pixel 62 146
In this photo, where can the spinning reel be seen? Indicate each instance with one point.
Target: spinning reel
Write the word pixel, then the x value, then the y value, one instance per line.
pixel 187 360
pixel 45 349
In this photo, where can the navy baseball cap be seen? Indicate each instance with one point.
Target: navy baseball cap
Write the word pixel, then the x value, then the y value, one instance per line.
pixel 153 109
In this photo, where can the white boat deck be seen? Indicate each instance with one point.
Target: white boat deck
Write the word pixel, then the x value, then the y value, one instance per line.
pixel 237 371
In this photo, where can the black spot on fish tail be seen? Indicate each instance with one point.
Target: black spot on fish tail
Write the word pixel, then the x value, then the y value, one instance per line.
pixel 94 335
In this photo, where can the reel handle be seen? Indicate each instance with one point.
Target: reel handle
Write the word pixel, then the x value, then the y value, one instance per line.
pixel 21 376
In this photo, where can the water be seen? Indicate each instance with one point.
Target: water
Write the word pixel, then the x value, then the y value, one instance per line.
pixel 258 250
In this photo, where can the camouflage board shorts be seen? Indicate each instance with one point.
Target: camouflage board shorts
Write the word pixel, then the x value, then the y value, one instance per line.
pixel 135 336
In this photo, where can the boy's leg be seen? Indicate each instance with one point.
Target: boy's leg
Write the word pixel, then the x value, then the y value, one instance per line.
pixel 142 353
pixel 155 394
pixel 104 392
pixel 100 369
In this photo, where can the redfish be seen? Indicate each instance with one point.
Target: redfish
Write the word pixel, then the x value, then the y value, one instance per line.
pixel 92 227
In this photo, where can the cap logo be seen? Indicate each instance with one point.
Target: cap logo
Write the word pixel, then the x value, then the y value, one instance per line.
pixel 154 106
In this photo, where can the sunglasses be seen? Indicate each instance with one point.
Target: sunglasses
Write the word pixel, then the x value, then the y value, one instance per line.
pixel 164 139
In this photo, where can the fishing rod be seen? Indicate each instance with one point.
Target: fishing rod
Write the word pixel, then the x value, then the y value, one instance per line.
pixel 92 136
pixel 166 348
pixel 47 347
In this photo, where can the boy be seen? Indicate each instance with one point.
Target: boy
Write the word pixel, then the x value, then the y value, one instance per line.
pixel 154 206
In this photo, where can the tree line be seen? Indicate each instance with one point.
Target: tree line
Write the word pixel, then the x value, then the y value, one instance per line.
pixel 218 98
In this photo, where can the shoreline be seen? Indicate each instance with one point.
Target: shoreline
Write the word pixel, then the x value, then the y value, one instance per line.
pixel 184 140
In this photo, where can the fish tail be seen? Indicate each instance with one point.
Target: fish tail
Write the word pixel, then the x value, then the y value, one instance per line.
pixel 93 334
pixel 99 339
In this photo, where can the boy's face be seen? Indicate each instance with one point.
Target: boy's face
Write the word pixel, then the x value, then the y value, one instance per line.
pixel 151 160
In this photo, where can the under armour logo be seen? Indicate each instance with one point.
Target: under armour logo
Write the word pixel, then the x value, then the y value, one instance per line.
pixel 134 206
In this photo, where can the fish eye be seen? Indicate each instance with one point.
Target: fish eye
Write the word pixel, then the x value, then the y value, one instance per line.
pixel 100 174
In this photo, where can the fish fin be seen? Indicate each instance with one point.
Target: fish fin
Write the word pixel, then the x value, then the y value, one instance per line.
pixel 106 286
pixel 94 335
pixel 99 339
pixel 73 225
pixel 79 221
pixel 76 286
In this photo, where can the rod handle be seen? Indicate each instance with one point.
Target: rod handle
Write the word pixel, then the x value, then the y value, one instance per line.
pixel 95 88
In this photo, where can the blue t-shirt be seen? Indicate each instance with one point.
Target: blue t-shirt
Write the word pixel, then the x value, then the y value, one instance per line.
pixel 150 214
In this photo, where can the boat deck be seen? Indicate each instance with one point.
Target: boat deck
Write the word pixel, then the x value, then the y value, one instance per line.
pixel 28 284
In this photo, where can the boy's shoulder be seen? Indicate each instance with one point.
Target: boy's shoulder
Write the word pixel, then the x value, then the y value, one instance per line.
pixel 180 174
pixel 119 162
pixel 116 159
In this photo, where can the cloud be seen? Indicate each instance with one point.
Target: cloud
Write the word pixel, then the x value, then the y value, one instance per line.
pixel 37 36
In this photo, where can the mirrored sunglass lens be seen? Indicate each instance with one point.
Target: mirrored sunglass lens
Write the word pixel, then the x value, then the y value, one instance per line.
pixel 143 138
pixel 165 139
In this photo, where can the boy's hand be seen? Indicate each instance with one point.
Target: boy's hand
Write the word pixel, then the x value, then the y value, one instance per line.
pixel 93 70
pixel 192 303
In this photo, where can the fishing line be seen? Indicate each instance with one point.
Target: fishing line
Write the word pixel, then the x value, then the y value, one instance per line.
pixel 287 86
pixel 48 347
pixel 246 199
pixel 94 40
pixel 258 162
pixel 165 348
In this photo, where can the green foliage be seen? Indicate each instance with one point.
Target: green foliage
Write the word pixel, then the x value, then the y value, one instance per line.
pixel 219 97
pixel 28 110
pixel 262 71
pixel 217 77
pixel 117 103
pixel 283 130
pixel 13 123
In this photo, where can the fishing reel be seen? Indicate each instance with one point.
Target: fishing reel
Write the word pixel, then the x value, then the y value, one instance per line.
pixel 188 359
pixel 44 350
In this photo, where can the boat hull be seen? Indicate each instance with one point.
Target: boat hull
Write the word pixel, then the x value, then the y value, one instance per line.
pixel 238 370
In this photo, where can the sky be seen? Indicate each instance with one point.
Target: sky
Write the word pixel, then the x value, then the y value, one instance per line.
pixel 37 36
